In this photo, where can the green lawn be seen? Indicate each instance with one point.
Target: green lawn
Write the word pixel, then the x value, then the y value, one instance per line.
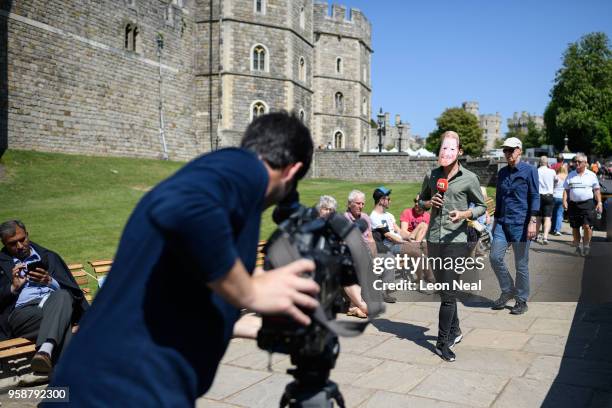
pixel 78 205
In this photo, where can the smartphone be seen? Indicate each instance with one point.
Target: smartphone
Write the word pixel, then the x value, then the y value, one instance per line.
pixel 33 265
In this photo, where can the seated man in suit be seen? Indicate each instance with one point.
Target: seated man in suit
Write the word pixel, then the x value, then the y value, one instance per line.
pixel 39 298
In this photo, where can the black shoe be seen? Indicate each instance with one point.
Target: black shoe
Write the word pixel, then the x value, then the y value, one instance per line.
pixel 586 251
pixel 500 303
pixel 578 251
pixel 457 336
pixel 519 308
pixel 387 298
pixel 444 351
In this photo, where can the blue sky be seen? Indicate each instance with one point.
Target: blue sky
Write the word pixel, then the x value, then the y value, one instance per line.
pixel 431 55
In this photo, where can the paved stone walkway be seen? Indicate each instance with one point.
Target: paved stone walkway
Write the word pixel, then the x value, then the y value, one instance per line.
pixel 557 354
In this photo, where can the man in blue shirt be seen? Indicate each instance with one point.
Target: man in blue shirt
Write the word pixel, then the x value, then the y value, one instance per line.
pixel 164 317
pixel 517 205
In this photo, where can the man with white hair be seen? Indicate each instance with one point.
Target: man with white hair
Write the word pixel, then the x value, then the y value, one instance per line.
pixel 546 179
pixel 327 206
pixel 581 186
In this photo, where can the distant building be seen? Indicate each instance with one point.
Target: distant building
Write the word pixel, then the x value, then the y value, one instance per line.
pixel 392 135
pixel 519 123
pixel 489 123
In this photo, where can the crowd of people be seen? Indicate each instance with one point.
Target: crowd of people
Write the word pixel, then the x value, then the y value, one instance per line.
pixel 185 265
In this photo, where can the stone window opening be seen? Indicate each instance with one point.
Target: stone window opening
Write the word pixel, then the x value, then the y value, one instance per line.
pixel 179 3
pixel 259 58
pixel 170 15
pixel 338 140
pixel 302 69
pixel 258 108
pixel 259 6
pixel 338 65
pixel 302 18
pixel 364 106
pixel 302 115
pixel 339 102
pixel 131 37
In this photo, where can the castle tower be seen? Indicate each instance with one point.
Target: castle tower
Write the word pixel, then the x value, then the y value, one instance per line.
pixel 471 107
pixel 491 129
pixel 253 57
pixel 342 88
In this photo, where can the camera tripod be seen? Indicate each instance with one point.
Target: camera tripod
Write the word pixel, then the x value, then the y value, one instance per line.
pixel 312 387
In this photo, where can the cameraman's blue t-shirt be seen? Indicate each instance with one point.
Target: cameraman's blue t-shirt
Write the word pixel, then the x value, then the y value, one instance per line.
pixel 155 333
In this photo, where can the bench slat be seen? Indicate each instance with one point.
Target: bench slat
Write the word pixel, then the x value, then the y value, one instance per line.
pixel 16 342
pixel 103 262
pixel 17 351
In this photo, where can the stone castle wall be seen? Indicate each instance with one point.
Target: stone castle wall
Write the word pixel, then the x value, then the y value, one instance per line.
pixel 72 87
pixel 353 165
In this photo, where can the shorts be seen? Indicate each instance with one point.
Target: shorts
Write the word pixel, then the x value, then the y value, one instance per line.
pixel 547 203
pixel 581 213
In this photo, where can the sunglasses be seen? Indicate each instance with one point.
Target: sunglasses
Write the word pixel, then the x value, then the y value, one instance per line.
pixel 508 150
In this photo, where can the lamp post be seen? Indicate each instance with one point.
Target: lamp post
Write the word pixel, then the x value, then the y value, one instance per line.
pixel 400 130
pixel 566 149
pixel 381 129
pixel 162 134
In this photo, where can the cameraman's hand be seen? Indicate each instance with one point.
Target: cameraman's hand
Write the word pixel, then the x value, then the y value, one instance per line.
pixel 282 290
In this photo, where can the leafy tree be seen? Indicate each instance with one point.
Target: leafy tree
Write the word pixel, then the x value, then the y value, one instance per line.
pixel 534 136
pixel 581 98
pixel 462 122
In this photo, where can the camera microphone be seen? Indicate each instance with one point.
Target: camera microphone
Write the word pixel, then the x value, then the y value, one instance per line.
pixel 442 186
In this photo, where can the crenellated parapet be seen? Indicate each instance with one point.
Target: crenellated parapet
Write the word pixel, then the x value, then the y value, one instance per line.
pixel 353 24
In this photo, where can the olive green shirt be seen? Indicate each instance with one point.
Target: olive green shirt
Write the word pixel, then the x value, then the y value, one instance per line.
pixel 463 189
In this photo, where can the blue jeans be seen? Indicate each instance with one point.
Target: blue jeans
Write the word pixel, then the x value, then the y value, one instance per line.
pixel 505 235
pixel 557 217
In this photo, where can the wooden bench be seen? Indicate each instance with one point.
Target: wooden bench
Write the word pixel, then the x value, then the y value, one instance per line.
pixel 260 254
pixel 15 356
pixel 101 268
pixel 82 279
pixel 490 202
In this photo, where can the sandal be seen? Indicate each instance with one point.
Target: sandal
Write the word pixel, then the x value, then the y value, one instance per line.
pixel 356 312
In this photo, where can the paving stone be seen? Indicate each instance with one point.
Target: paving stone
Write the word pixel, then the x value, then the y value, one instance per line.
pixel 359 344
pixel 264 394
pixel 208 403
pixel 401 329
pixel 546 344
pixel 391 309
pixel 230 380
pixel 550 326
pixel 463 387
pixel 406 351
pixel 505 363
pixel 394 376
pixel 258 360
pixel 350 366
pixel 524 392
pixel 355 396
pixel 390 399
pixel 563 311
pixel 238 348
pixel 418 313
pixel 497 339
pixel 544 368
pixel 505 322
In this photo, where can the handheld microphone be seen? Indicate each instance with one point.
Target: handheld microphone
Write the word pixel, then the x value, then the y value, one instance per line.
pixel 442 186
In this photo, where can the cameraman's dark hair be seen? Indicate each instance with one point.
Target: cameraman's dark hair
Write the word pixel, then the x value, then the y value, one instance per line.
pixel 9 228
pixel 280 139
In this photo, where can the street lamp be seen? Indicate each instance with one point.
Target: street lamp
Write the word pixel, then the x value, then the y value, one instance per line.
pixel 400 130
pixel 566 149
pixel 162 134
pixel 381 129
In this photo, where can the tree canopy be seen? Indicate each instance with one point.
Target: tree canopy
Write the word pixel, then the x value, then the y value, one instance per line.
pixel 462 122
pixel 581 98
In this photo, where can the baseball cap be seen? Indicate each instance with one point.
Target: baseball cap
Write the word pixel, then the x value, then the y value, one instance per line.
pixel 513 142
pixel 380 192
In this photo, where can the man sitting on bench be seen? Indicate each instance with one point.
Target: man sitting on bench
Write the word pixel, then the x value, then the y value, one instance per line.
pixel 39 298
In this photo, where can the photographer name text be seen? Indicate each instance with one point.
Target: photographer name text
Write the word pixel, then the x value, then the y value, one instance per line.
pixel 422 285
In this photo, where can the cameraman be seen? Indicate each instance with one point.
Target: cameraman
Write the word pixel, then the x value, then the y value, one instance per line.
pixel 164 317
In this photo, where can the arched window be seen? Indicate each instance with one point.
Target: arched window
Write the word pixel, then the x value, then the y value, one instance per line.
pixel 338 140
pixel 259 60
pixel 259 6
pixel 131 37
pixel 302 18
pixel 338 65
pixel 302 69
pixel 258 108
pixel 302 115
pixel 339 102
pixel 364 106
